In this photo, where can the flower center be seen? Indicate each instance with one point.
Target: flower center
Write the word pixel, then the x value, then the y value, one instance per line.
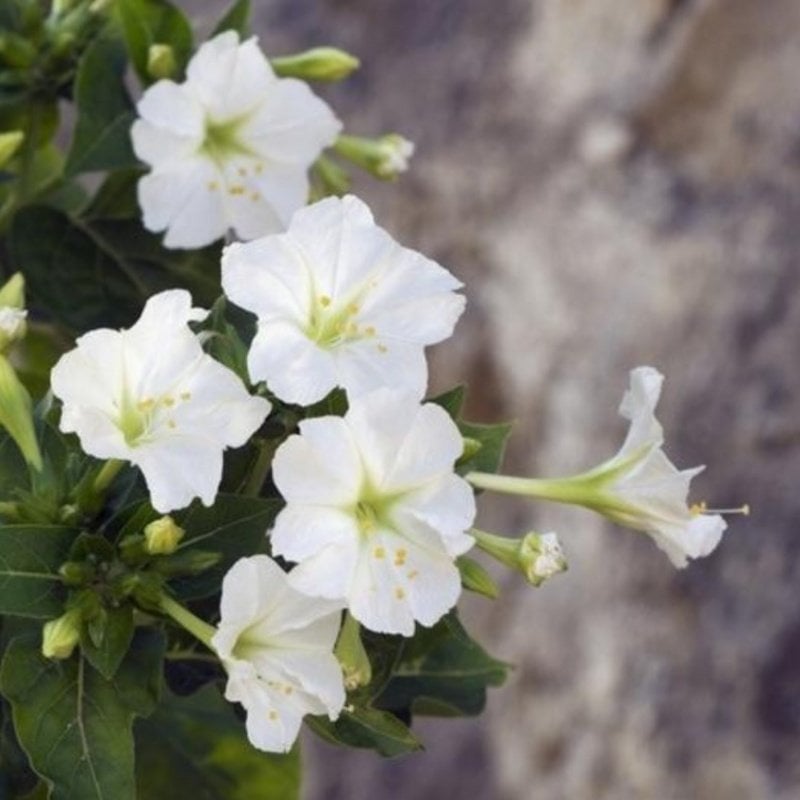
pixel 137 417
pixel 330 325
pixel 222 140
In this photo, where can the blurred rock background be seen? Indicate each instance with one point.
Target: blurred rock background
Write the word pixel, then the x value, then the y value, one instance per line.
pixel 618 183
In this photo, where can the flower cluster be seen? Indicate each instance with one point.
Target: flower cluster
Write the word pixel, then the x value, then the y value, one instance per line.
pixel 333 317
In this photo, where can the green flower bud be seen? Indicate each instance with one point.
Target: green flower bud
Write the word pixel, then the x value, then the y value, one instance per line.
pixel 385 157
pixel 187 562
pixel 16 51
pixel 16 415
pixel 162 536
pixel 352 655
pixel 12 292
pixel 537 556
pixel 471 448
pixel 76 573
pixel 10 142
pixel 61 636
pixel 161 61
pixel 318 64
pixel 475 578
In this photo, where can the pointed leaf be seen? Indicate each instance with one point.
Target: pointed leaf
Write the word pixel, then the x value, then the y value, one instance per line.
pixel 75 726
pixel 30 556
pixel 236 18
pixel 105 112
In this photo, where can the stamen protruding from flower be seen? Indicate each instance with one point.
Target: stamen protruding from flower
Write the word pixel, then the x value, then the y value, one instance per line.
pixel 697 509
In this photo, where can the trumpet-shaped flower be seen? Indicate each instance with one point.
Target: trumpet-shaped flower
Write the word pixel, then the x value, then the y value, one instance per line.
pixel 650 490
pixel 375 514
pixel 277 648
pixel 230 147
pixel 339 303
pixel 639 487
pixel 151 396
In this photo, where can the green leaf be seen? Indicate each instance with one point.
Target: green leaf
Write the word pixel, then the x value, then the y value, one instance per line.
pixel 234 527
pixel 197 743
pixel 116 635
pixel 368 728
pixel 236 18
pixel 75 726
pixel 148 22
pixel 105 112
pixel 116 197
pixel 13 470
pixel 16 776
pixel 493 444
pixel 72 274
pixel 30 556
pixel 442 672
pixel 451 401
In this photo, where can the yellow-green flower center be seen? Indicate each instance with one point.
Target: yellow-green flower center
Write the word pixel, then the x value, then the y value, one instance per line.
pixel 223 140
pixel 330 325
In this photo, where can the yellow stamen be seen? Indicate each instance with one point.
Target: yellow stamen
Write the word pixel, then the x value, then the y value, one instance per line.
pixel 399 593
pixel 379 552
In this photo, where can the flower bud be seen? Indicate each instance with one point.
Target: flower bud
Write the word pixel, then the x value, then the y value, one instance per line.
pixel 471 448
pixel 10 142
pixel 76 573
pixel 60 636
pixel 385 157
pixel 475 578
pixel 162 536
pixel 161 61
pixel 16 51
pixel 541 557
pixel 318 64
pixel 16 415
pixel 352 655
pixel 537 556
pixel 12 292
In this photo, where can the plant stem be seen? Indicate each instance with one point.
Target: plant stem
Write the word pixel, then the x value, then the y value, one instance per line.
pixel 105 477
pixel 266 450
pixel 197 627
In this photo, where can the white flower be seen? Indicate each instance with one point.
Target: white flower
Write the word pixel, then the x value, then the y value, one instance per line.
pixel 375 513
pixel 339 303
pixel 229 148
pixel 277 648
pixel 650 491
pixel 151 396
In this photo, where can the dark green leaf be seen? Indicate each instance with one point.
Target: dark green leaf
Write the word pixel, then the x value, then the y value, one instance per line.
pixel 451 401
pixel 16 776
pixel 442 672
pixel 148 22
pixel 71 273
pixel 75 726
pixel 30 556
pixel 493 443
pixel 13 470
pixel 367 728
pixel 197 743
pixel 105 113
pixel 115 639
pixel 116 197
pixel 236 18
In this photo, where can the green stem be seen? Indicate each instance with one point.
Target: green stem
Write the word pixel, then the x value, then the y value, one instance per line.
pixel 266 451
pixel 565 490
pixel 106 476
pixel 197 627
pixel 190 655
pixel 502 548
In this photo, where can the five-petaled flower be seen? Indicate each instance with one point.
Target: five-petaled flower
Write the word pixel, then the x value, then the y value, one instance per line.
pixel 229 148
pixel 151 396
pixel 375 514
pixel 339 303
pixel 277 648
